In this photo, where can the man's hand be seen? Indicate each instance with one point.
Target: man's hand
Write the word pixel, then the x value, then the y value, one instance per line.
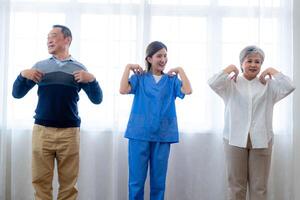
pixel 32 74
pixel 82 76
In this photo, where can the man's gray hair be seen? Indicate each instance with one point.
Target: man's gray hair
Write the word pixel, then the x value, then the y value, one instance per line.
pixel 65 31
pixel 251 50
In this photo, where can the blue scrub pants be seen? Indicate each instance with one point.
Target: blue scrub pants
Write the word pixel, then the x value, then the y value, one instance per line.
pixel 140 153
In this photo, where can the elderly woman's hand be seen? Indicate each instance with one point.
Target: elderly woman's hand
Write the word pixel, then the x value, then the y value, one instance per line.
pixel 232 68
pixel 267 72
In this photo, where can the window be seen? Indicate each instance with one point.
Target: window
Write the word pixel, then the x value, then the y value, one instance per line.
pixel 202 36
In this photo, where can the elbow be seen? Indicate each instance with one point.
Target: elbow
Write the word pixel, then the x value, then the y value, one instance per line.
pixel 189 92
pixel 16 95
pixel 99 100
pixel 292 89
pixel 123 91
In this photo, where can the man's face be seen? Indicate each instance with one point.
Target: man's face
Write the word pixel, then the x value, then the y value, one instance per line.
pixel 56 42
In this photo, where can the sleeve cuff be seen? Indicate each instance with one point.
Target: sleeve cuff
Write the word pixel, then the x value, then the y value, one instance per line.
pixel 21 78
pixel 93 82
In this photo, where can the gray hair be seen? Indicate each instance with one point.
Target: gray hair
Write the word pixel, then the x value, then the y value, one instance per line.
pixel 251 50
pixel 65 30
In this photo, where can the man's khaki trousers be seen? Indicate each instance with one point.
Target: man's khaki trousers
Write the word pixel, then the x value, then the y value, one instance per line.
pixel 247 167
pixel 61 144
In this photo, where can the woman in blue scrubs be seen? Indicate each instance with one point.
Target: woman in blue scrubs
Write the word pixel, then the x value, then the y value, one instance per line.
pixel 152 125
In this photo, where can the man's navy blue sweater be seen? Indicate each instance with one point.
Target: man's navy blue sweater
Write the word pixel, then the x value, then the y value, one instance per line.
pixel 58 92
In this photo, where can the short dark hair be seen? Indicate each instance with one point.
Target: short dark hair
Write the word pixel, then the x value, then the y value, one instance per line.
pixel 65 30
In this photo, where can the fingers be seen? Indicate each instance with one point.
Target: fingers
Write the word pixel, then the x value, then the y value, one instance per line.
pixel 137 69
pixel 78 75
pixel 232 69
pixel 235 72
pixel 270 76
pixel 268 72
pixel 262 77
pixel 172 72
pixel 36 78
pixel 36 75
pixel 82 76
pixel 234 77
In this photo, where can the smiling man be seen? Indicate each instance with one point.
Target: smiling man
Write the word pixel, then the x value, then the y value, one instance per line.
pixel 55 134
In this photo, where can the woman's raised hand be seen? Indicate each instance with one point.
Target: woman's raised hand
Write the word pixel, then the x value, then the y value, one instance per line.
pixel 232 69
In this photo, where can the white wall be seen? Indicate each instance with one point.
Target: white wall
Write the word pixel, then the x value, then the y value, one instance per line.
pixel 296 99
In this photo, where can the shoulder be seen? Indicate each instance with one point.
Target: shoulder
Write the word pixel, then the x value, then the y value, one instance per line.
pixel 170 78
pixel 43 63
pixel 141 76
pixel 79 65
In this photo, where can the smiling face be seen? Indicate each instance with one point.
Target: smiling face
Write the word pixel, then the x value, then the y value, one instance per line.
pixel 158 61
pixel 57 43
pixel 251 66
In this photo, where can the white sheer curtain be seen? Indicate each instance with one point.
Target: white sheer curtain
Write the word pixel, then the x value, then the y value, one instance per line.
pixel 202 36
pixel 4 142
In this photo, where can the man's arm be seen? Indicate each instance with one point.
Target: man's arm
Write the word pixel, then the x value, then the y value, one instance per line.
pixel 25 81
pixel 90 85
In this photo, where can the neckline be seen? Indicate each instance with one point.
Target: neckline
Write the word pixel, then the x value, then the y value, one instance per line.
pixel 153 79
pixel 248 79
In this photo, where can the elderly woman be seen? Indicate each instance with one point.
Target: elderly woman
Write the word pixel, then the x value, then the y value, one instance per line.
pixel 248 134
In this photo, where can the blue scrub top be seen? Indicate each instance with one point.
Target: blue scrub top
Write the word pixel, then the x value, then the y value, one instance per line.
pixel 153 113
